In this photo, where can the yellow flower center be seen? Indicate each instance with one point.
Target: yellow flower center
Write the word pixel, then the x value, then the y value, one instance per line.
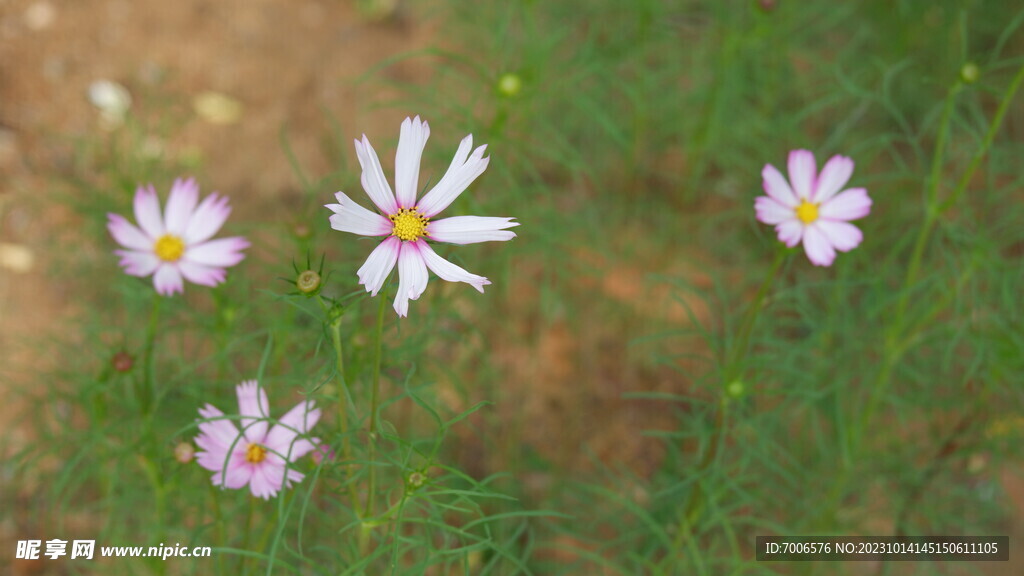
pixel 409 224
pixel 807 212
pixel 255 454
pixel 169 248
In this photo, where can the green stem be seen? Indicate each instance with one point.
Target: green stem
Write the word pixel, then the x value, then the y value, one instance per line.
pixel 931 214
pixel 218 522
pixel 159 500
pixel 340 370
pixel 247 533
pixel 990 136
pixel 374 399
pixel 342 388
pixel 147 390
pixel 369 511
pixel 734 366
pixel 898 337
pixel 732 370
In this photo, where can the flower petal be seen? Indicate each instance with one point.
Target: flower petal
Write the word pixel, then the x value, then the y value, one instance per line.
pixel 138 263
pixel 207 219
pixel 373 180
pixel 236 472
pixel 266 480
pixel 802 172
pixel 842 235
pixel 379 264
pixel 167 280
pixel 413 138
pixel 252 402
pixel 770 211
pixel 445 270
pixel 180 205
pixel 294 476
pixel 464 169
pixel 147 212
pixel 222 252
pixel 200 274
pixel 834 176
pixel 819 249
pixel 790 232
pixel 128 235
pixel 300 448
pixel 471 229
pixel 289 451
pixel 218 436
pixel 351 217
pixel 412 277
pixel 776 186
pixel 849 205
pixel 298 420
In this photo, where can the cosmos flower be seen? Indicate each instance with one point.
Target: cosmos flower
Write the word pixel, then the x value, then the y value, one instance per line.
pixel 407 223
pixel 816 209
pixel 259 455
pixel 322 452
pixel 177 244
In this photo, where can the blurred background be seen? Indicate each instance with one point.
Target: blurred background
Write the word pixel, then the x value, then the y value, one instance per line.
pixel 628 139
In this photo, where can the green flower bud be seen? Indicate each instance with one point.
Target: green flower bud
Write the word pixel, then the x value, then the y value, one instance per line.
pixel 308 282
pixel 735 389
pixel 416 480
pixel 970 73
pixel 509 85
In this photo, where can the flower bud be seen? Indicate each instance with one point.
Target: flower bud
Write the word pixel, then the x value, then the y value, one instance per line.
pixel 416 480
pixel 321 453
pixel 308 282
pixel 302 231
pixel 184 452
pixel 509 85
pixel 122 361
pixel 970 73
pixel 735 389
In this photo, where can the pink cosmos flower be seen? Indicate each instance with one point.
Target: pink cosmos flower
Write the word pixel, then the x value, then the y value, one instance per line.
pixel 813 209
pixel 407 223
pixel 259 455
pixel 322 452
pixel 176 244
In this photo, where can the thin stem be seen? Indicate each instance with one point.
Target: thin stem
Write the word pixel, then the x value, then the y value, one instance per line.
pixel 897 338
pixel 732 370
pixel 218 522
pixel 990 136
pixel 372 430
pixel 159 500
pixel 374 399
pixel 931 213
pixel 247 533
pixel 147 391
pixel 747 327
pixel 936 208
pixel 342 386
pixel 342 389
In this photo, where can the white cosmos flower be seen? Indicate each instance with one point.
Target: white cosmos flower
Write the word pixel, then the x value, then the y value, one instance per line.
pixel 407 224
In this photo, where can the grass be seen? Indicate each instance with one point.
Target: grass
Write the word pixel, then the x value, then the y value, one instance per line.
pixel 622 399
